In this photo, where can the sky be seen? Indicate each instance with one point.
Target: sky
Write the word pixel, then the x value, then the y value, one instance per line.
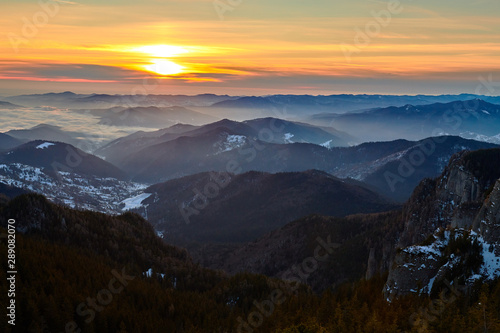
pixel 248 47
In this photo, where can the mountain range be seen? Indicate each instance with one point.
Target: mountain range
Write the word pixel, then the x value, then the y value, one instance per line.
pixel 213 139
pixel 151 116
pixel 394 167
pixel 240 107
pixel 470 117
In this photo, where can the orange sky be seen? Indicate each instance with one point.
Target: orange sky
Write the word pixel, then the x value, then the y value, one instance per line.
pixel 252 47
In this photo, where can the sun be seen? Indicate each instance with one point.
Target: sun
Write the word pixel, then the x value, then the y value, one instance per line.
pixel 164 67
pixel 158 55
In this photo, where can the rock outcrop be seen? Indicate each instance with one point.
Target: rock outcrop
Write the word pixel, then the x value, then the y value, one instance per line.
pixel 452 228
pixel 454 198
pixel 487 222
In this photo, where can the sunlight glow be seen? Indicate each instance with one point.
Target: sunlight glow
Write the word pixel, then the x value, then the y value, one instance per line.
pixel 164 67
pixel 161 51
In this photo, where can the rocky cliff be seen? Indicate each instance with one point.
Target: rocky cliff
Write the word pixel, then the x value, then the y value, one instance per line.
pixel 454 198
pixel 487 222
pixel 452 228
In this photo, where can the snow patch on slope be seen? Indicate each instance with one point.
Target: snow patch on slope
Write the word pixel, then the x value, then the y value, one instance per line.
pixel 45 145
pixel 288 137
pixel 327 144
pixel 230 142
pixel 135 202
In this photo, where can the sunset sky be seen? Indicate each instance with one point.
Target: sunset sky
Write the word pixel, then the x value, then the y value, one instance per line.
pixel 248 46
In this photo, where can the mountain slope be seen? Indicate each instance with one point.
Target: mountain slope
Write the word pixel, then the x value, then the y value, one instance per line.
pixel 8 142
pixel 45 132
pixel 118 149
pixel 363 247
pixel 301 132
pixel 212 207
pixel 58 156
pixel 9 106
pixel 80 253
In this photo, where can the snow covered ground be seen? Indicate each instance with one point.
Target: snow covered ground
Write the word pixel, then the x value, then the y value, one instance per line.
pixel 106 195
pixel 135 202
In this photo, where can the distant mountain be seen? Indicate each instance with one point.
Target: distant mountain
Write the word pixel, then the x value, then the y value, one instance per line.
pixel 92 101
pixel 247 102
pixel 240 107
pixel 213 208
pixel 418 121
pixel 8 142
pixel 49 99
pixel 304 105
pixel 9 106
pixel 150 100
pixel 118 149
pixel 152 116
pixel 214 136
pixel 58 156
pixel 398 174
pixel 46 132
pixel 221 150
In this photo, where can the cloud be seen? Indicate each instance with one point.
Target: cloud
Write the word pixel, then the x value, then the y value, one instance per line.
pixel 68 73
